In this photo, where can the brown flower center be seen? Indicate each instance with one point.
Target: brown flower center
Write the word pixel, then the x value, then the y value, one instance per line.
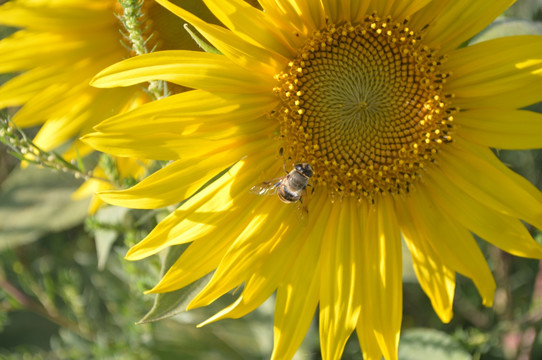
pixel 363 104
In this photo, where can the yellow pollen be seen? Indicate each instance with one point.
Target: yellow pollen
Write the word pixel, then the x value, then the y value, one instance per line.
pixel 364 105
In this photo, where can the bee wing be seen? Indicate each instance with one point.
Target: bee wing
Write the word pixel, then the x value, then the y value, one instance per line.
pixel 267 187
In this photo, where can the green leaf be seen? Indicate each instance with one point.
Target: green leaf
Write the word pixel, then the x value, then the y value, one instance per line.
pixel 525 9
pixel 201 43
pixel 508 27
pixel 172 303
pixel 104 237
pixel 431 344
pixel 35 201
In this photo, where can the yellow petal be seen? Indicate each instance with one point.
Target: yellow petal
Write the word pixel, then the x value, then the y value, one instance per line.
pixel 173 230
pixel 403 9
pixel 501 128
pixel 85 16
pixel 46 103
pixel 504 72
pixel 365 329
pixel 479 173
pixel 265 280
pixel 436 279
pixel 251 25
pixel 298 295
pixel 460 20
pixel 398 9
pixel 23 87
pixel 334 10
pixel 459 251
pixel 453 242
pixel 294 22
pixel 248 252
pixel 358 9
pixel 179 180
pixel 503 231
pixel 16 55
pixel 340 297
pixel 184 113
pixel 70 96
pixel 367 340
pixel 311 11
pixel 197 70
pixel 157 146
pixel 25 50
pixel 197 217
pixel 86 108
pixel 382 285
pixel 88 189
pixel 428 14
pixel 205 253
pixel 366 326
pixel 236 49
pixel 164 187
pixel 182 124
pixel 211 241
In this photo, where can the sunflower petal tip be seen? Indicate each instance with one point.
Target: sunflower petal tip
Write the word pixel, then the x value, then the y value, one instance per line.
pixel 197 302
pixel 202 324
pixel 487 302
pixel 88 139
pixel 191 306
pixel 95 81
pixel 446 317
pixel 212 319
pixel 133 254
pixel 105 195
pixel 112 198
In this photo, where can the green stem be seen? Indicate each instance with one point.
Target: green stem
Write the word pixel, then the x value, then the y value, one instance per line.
pixel 25 149
pixel 40 310
pixel 133 21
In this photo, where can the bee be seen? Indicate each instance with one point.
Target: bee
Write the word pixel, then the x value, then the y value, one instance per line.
pixel 290 188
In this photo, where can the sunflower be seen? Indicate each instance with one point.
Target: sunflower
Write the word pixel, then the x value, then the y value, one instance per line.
pixel 395 117
pixel 60 46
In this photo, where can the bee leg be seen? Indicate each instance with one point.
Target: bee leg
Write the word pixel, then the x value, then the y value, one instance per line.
pixel 284 165
pixel 281 154
pixel 303 207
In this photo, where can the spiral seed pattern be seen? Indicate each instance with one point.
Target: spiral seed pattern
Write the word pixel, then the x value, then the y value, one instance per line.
pixel 364 105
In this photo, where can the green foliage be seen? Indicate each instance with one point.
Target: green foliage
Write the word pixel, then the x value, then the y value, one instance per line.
pixel 106 226
pixel 175 302
pixel 430 344
pixel 526 9
pixel 133 21
pixel 67 292
pixel 82 309
pixel 508 27
pixel 204 45
pixel 34 201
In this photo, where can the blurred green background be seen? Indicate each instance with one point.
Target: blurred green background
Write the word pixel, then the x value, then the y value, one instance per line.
pixel 67 293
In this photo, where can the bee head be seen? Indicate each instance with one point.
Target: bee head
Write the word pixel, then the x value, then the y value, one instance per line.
pixel 304 169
